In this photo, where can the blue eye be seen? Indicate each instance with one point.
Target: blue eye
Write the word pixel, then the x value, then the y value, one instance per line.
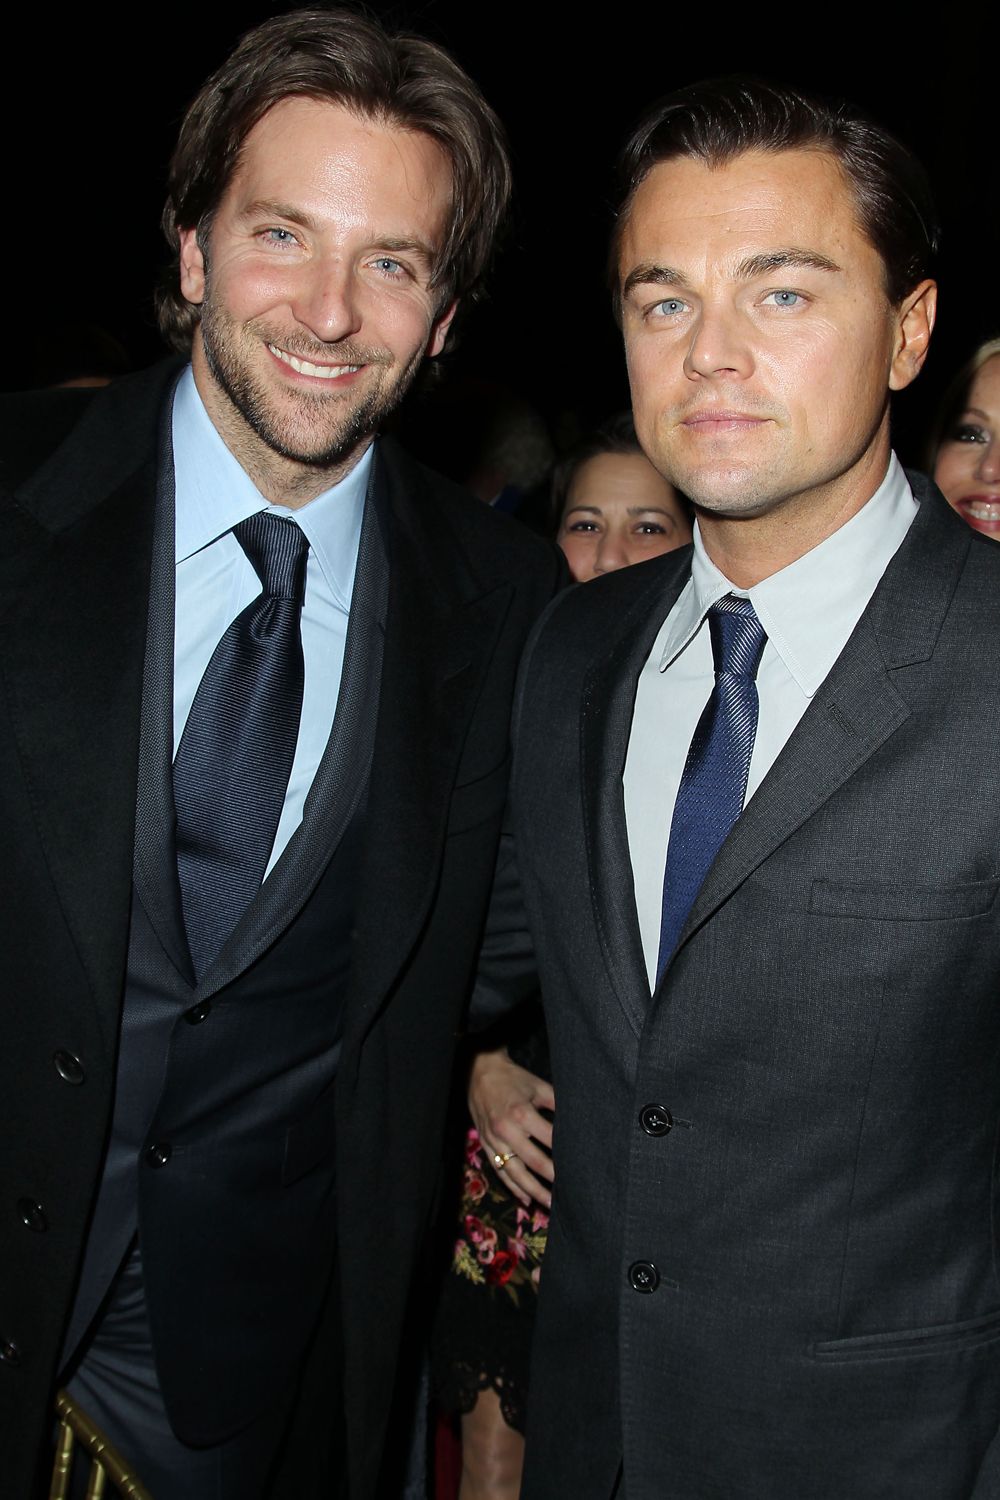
pixel 280 236
pixel 784 298
pixel 669 307
pixel 388 265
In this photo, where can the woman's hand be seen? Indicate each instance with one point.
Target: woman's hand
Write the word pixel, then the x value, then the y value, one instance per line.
pixel 504 1101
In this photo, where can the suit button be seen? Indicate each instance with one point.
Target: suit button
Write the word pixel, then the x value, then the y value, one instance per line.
pixel 69 1068
pixel 656 1119
pixel 643 1276
pixel 32 1214
pixel 10 1354
pixel 197 1013
pixel 158 1154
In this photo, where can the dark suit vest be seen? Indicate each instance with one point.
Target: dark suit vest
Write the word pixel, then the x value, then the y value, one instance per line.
pixel 222 1142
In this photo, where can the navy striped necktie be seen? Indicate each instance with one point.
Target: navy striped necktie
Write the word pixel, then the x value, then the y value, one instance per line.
pixel 235 756
pixel 714 781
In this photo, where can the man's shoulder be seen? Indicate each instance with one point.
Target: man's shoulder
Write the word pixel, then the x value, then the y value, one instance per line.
pixel 609 608
pixel 34 425
pixel 493 544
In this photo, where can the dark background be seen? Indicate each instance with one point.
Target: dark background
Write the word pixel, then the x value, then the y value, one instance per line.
pixel 95 98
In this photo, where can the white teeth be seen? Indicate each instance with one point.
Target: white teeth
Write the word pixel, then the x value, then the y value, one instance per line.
pixel 306 367
pixel 984 511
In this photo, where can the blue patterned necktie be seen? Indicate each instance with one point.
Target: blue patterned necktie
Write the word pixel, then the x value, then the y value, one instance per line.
pixel 714 781
pixel 235 756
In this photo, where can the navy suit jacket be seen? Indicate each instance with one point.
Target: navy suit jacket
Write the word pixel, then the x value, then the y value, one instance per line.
pixel 79 476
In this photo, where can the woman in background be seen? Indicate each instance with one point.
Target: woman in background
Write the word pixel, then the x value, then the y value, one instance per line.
pixel 610 509
pixel 966 451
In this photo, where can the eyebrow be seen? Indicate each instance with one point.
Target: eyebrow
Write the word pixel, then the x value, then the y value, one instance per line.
pixel 631 510
pixel 650 274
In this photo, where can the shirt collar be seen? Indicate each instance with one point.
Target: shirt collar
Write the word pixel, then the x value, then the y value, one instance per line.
pixel 810 608
pixel 213 493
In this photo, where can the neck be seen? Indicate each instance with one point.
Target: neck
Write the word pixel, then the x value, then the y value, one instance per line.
pixel 748 549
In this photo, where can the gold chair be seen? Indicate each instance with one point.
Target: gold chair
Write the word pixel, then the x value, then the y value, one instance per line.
pixel 106 1465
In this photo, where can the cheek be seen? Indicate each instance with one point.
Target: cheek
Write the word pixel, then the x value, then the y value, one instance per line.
pixel 579 555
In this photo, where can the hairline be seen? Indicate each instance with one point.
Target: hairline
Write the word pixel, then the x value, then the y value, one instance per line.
pixel 717 160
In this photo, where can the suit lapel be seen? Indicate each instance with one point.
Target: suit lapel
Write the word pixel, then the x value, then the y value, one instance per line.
pixel 343 773
pixel 857 709
pixel 73 640
pixel 606 723
pixel 440 634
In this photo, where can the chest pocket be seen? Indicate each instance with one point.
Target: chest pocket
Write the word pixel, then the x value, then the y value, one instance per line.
pixel 891 903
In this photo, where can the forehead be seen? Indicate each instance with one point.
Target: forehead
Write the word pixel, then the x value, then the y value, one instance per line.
pixel 715 216
pixel 324 150
pixel 613 479
pixel 984 392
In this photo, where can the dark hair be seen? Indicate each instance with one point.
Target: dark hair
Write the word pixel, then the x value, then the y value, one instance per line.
pixel 616 435
pixel 722 118
pixel 346 59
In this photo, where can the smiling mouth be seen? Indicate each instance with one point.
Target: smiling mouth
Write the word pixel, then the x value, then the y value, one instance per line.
pixel 981 509
pixel 306 366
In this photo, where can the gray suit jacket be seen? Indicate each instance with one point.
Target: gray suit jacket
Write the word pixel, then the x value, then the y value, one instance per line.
pixel 782 1283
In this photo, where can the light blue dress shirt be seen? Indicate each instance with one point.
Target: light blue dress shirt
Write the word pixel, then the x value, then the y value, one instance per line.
pixel 215 581
pixel 808 609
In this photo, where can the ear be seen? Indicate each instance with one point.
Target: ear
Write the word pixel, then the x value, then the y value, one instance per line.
pixel 914 325
pixel 439 331
pixel 192 267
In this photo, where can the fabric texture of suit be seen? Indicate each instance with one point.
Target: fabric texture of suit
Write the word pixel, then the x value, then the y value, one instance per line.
pixel 780 1282
pixel 85 722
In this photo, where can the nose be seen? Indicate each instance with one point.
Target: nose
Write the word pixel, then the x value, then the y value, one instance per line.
pixel 326 300
pixel 610 555
pixel 718 345
pixel 988 467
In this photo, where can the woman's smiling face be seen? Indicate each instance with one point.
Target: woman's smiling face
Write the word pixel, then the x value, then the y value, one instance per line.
pixel 967 469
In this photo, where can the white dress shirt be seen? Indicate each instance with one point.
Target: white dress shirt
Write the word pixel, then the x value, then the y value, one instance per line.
pixel 808 610
pixel 215 580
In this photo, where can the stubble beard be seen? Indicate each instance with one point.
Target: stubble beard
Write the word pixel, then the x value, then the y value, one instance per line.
pixel 343 423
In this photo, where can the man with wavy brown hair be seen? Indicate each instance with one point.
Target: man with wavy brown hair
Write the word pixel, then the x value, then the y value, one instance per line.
pixel 254 750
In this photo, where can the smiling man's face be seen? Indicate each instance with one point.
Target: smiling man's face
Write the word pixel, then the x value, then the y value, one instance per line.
pixel 316 295
pixel 760 341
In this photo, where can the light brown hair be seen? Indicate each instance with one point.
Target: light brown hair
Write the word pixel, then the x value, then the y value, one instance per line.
pixel 347 59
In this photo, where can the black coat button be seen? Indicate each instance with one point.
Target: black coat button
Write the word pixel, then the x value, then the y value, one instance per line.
pixel 656 1119
pixel 69 1068
pixel 643 1276
pixel 32 1214
pixel 10 1354
pixel 198 1012
pixel 158 1154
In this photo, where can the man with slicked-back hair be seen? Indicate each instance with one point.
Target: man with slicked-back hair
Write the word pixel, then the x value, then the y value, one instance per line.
pixel 255 680
pixel 754 812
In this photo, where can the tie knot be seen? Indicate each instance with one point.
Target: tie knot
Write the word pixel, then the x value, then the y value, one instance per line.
pixel 278 550
pixel 738 637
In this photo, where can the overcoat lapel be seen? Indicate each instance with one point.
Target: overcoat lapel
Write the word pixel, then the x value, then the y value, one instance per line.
pixel 857 709
pixel 606 723
pixel 440 634
pixel 157 885
pixel 76 565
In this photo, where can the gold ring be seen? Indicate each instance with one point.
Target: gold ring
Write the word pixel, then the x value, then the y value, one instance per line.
pixel 501 1158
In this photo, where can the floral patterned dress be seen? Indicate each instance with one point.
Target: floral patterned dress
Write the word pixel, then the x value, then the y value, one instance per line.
pixel 485 1320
